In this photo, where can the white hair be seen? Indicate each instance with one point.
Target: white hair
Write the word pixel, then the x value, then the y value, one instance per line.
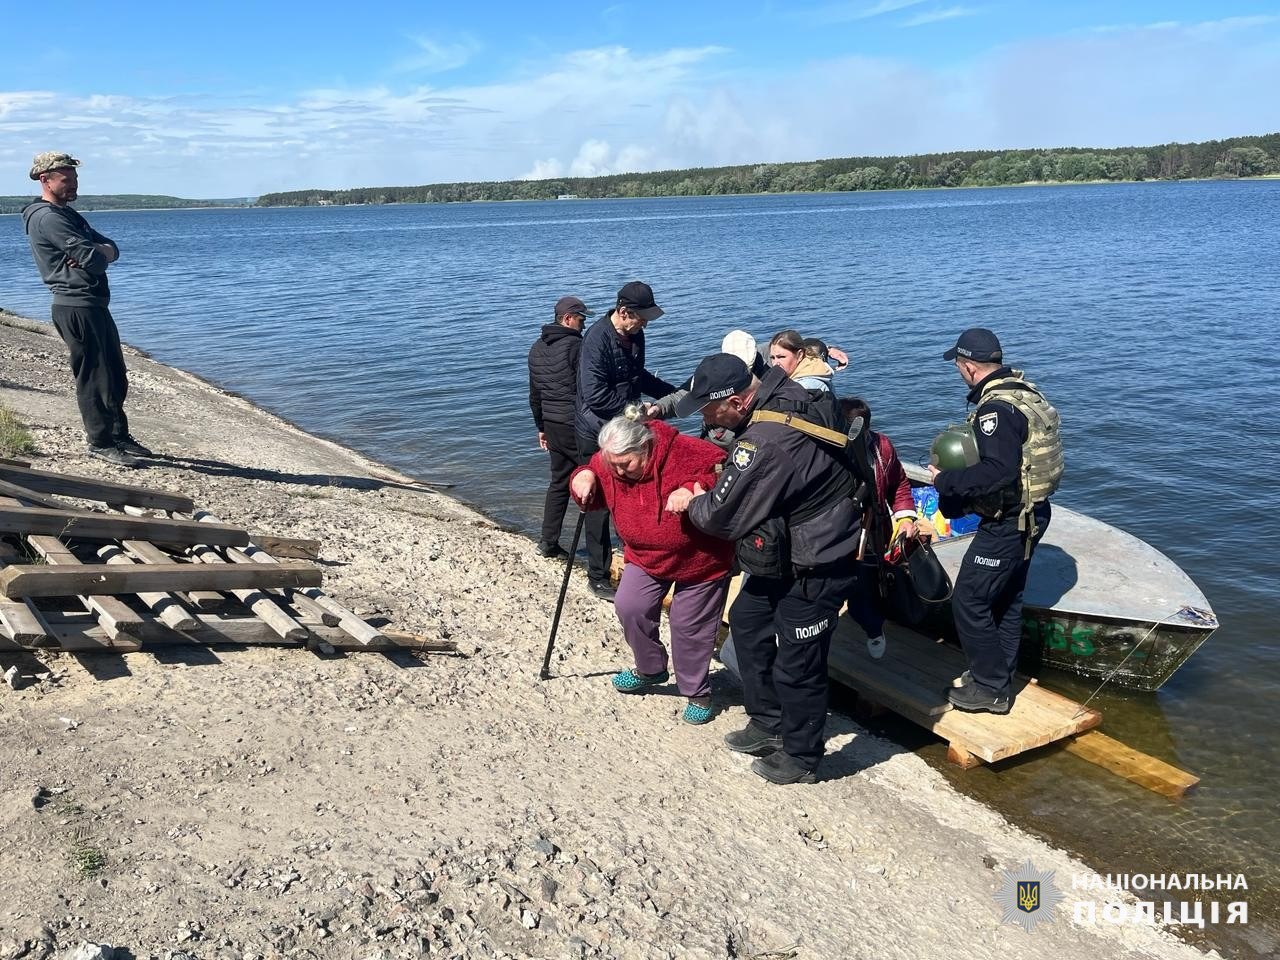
pixel 621 435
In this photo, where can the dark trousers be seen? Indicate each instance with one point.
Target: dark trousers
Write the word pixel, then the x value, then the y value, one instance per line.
pixel 562 445
pixel 97 364
pixel 599 544
pixel 864 598
pixel 782 633
pixel 987 602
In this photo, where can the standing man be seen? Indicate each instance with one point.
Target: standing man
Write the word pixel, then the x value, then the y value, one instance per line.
pixel 553 388
pixel 1020 465
pixel 611 374
pixel 788 498
pixel 72 258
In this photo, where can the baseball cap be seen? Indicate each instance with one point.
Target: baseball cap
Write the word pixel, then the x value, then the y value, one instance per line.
pixel 568 305
pixel 638 296
pixel 718 376
pixel 977 344
pixel 51 160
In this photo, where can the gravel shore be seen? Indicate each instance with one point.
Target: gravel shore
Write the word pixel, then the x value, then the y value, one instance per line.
pixel 270 803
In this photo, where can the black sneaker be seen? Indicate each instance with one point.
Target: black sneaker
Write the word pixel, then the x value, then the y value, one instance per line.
pixel 973 698
pixel 552 551
pixel 753 739
pixel 133 448
pixel 115 455
pixel 781 767
pixel 603 589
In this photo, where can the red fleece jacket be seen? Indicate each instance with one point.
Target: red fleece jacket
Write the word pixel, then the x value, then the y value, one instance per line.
pixel 664 545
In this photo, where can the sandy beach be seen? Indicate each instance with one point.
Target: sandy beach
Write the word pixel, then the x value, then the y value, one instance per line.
pixel 272 802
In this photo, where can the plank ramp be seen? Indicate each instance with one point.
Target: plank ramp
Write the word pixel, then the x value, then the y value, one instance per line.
pixel 913 677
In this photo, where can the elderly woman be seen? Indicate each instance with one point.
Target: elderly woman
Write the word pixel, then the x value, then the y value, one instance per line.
pixel 644 474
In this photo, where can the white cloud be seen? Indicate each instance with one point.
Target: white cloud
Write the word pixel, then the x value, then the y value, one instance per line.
pixel 937 16
pixel 435 56
pixel 614 110
pixel 848 12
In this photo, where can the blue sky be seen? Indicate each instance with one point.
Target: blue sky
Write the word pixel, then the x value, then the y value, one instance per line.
pixel 236 99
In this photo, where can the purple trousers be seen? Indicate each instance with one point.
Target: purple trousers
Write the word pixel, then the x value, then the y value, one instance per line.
pixel 694 619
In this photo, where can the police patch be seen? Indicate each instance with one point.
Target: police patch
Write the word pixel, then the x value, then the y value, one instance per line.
pixel 987 423
pixel 744 454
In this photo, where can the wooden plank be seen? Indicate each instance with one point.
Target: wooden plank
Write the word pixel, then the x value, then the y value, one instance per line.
pixel 114 615
pixel 294 548
pixel 87 488
pixel 150 553
pixel 304 604
pixel 30 496
pixel 102 526
pixel 22 580
pixel 347 620
pixel 164 605
pixel 20 624
pixel 1137 767
pixel 241 631
pixel 10 462
pixel 958 753
pixel 263 607
pixel 913 678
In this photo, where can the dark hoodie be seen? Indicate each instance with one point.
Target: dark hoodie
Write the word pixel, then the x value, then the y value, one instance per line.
pixel 553 374
pixel 59 235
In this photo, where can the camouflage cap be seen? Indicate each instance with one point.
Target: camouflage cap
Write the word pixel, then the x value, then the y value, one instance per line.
pixel 51 160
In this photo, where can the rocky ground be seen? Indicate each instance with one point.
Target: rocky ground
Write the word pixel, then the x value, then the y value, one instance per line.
pixel 271 803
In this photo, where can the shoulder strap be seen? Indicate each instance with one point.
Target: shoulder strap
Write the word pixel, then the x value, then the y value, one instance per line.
pixel 824 434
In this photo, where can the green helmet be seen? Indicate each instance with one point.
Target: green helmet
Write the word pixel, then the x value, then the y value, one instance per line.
pixel 954 448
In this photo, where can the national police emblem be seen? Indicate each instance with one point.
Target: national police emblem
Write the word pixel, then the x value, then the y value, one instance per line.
pixel 744 454
pixel 987 423
pixel 1027 896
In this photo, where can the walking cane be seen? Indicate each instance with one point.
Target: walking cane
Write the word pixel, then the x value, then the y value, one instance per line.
pixel 564 587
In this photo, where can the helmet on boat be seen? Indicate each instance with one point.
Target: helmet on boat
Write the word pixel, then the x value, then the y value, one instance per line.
pixel 954 448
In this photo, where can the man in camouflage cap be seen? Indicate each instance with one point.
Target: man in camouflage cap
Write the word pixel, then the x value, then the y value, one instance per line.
pixel 72 259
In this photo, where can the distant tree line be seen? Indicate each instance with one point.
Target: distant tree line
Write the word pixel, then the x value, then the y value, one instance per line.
pixel 125 201
pixel 1237 157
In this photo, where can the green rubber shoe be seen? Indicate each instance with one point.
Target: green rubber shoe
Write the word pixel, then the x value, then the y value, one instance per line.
pixel 629 681
pixel 696 713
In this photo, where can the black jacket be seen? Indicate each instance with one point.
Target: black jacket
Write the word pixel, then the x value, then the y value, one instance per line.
pixel 776 471
pixel 610 376
pixel 553 374
pixel 993 483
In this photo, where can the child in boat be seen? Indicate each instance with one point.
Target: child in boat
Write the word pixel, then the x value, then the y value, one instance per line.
pixel 891 514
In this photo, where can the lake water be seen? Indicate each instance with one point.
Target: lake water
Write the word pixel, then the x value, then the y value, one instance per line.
pixel 1148 312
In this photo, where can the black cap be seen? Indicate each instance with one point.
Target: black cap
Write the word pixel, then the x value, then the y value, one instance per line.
pixel 976 344
pixel 638 297
pixel 718 376
pixel 571 305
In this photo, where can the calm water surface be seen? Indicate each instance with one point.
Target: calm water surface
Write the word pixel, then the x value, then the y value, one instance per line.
pixel 1148 312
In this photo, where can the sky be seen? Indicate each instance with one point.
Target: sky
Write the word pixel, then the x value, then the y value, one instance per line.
pixel 234 98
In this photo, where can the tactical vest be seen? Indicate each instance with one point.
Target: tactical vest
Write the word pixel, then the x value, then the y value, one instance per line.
pixel 1042 460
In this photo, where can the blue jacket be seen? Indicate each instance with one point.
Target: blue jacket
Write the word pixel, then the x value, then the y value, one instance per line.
pixel 610 376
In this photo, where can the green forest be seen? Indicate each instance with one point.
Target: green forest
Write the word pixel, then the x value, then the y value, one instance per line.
pixel 1233 158
pixel 125 201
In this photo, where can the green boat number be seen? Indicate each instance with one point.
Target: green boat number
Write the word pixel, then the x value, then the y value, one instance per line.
pixel 1055 635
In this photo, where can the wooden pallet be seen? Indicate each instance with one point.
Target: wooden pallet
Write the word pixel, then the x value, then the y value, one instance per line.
pixel 913 677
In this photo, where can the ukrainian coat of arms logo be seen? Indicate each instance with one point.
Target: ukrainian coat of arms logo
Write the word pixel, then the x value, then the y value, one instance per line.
pixel 1027 896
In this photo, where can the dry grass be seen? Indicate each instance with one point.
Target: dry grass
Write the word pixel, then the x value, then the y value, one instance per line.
pixel 15 438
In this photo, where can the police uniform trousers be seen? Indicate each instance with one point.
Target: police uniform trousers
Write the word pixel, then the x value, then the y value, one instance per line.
pixel 599 542
pixel 782 630
pixel 987 601
pixel 97 364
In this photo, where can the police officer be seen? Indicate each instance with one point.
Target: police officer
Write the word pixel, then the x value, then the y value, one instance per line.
pixel 1019 465
pixel 786 498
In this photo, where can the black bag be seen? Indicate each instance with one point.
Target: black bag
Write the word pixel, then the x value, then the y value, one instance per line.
pixel 766 550
pixel 917 586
